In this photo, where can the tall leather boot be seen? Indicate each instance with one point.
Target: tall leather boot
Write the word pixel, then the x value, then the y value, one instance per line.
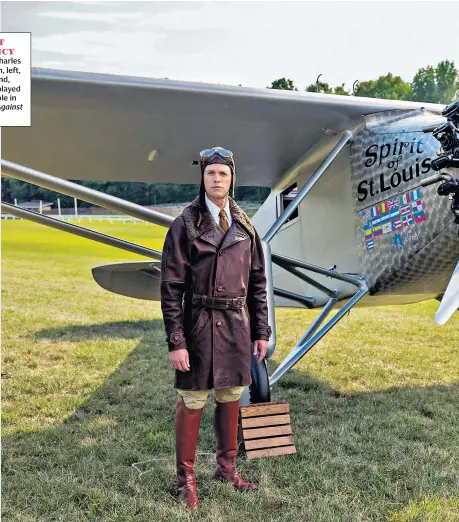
pixel 225 423
pixel 187 422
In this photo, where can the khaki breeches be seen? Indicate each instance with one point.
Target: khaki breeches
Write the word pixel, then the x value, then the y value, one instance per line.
pixel 196 399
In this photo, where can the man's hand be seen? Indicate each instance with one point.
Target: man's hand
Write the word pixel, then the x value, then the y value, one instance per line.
pixel 260 346
pixel 180 360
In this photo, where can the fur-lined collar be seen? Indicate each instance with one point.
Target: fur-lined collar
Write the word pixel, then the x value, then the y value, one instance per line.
pixel 199 220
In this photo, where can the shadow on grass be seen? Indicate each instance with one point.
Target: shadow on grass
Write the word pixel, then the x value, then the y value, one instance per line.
pixel 360 456
pixel 113 330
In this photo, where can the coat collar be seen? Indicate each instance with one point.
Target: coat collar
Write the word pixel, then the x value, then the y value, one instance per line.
pixel 199 221
pixel 220 240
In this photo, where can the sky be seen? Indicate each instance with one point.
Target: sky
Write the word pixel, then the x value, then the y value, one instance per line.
pixel 239 43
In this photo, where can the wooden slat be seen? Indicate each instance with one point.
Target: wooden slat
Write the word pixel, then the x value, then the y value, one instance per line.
pixel 272 442
pixel 270 420
pixel 267 432
pixel 267 408
pixel 248 406
pixel 271 452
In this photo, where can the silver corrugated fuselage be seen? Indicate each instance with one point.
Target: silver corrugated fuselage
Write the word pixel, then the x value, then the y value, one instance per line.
pixel 368 215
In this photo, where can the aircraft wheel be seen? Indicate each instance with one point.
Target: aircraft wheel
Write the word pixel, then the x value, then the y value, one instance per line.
pixel 255 393
pixel 259 389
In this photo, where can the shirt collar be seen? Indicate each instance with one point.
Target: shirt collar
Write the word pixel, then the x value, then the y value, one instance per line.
pixel 215 210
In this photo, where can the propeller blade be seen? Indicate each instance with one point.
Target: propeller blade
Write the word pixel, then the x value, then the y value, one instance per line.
pixel 450 302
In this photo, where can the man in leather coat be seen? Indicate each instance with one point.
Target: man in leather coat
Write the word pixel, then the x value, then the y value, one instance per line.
pixel 213 299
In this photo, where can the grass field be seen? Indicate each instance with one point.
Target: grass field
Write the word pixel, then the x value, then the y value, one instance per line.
pixel 87 393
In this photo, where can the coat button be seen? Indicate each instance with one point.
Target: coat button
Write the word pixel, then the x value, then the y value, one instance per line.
pixel 219 323
pixel 220 288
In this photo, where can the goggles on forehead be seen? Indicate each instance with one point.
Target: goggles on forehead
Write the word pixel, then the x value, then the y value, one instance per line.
pixel 208 153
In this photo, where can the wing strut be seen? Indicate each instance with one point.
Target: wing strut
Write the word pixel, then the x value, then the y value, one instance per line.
pixel 310 337
pixel 345 138
pixel 85 193
pixel 80 231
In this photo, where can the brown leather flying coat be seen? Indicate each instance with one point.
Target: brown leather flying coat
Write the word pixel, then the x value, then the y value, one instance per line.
pixel 200 259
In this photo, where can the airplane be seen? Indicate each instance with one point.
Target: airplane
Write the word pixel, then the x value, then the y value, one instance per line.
pixel 364 202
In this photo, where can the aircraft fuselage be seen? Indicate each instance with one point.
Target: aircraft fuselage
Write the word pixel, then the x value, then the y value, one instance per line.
pixel 369 215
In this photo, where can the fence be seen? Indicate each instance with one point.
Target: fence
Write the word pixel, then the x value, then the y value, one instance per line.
pixel 102 218
pixel 85 213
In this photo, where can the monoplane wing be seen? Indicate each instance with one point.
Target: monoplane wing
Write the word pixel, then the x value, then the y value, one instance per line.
pixel 88 126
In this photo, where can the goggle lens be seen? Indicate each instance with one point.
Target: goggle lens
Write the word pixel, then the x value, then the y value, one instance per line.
pixel 226 153
pixel 207 153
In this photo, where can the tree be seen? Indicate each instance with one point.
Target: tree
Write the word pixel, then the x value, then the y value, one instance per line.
pixel 341 90
pixel 389 87
pixel 6 192
pixel 324 88
pixel 447 81
pixel 436 84
pixel 283 84
pixel 425 86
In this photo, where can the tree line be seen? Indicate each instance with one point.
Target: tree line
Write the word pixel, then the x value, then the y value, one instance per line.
pixel 430 84
pixel 146 194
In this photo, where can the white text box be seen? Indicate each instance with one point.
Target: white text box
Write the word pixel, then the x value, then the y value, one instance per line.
pixel 15 76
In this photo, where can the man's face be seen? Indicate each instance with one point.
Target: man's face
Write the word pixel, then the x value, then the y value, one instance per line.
pixel 217 180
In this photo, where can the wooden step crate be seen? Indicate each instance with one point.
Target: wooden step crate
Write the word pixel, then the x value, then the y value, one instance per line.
pixel 266 429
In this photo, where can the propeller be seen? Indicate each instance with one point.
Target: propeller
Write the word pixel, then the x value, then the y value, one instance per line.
pixel 450 302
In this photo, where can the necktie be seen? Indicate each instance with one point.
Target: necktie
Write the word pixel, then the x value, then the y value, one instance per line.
pixel 223 220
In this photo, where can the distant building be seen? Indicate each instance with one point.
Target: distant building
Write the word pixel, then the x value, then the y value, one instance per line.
pixel 30 205
pixel 35 205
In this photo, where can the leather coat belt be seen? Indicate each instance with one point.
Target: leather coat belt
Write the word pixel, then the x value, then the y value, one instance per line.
pixel 223 303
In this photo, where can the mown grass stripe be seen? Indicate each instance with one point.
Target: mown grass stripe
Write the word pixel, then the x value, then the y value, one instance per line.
pixel 374 406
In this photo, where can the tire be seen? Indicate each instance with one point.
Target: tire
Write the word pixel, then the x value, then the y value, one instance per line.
pixel 255 393
pixel 259 389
